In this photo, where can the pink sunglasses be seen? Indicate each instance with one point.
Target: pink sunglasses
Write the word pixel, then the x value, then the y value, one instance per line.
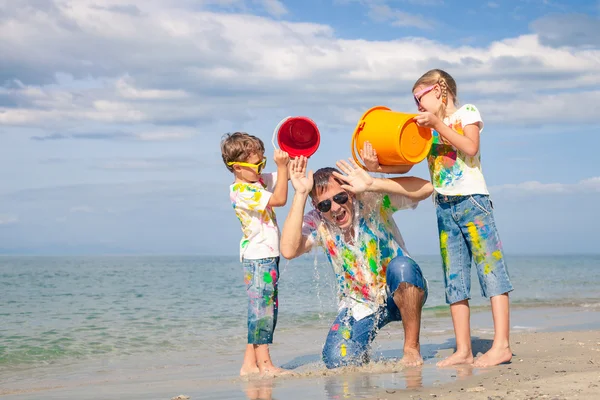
pixel 422 93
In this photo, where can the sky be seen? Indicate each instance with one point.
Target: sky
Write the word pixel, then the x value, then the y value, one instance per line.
pixel 111 111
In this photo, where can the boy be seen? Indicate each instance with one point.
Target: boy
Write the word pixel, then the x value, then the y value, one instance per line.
pixel 253 196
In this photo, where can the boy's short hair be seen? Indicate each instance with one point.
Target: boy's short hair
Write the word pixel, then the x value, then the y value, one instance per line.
pixel 239 146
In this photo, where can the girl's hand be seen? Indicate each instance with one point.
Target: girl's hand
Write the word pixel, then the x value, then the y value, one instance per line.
pixel 427 120
pixel 281 158
pixel 369 156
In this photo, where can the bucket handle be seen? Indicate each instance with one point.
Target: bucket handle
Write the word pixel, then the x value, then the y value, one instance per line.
pixel 353 145
pixel 277 130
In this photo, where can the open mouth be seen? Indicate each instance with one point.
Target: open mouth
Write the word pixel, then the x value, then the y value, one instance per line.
pixel 340 217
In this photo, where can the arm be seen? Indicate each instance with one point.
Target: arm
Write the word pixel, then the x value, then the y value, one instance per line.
pixel 414 188
pixel 293 244
pixel 467 143
pixel 280 192
pixel 369 156
pixel 359 181
pixel 394 169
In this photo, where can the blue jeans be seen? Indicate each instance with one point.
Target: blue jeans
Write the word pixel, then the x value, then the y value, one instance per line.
pixel 468 234
pixel 261 277
pixel 349 340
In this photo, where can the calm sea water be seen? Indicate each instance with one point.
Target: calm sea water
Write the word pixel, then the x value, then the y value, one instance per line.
pixel 60 310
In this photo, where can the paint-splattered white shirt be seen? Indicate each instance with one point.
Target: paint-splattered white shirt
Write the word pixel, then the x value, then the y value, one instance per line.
pixel 259 225
pixel 454 173
pixel 360 267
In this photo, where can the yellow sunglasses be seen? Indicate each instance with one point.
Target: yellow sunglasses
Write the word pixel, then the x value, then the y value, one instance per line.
pixel 256 167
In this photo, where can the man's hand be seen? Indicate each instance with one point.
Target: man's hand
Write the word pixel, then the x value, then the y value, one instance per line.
pixel 281 158
pixel 369 156
pixel 357 179
pixel 301 181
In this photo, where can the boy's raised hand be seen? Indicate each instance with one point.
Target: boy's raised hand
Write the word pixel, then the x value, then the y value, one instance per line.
pixel 281 158
pixel 301 181
pixel 357 179
pixel 369 156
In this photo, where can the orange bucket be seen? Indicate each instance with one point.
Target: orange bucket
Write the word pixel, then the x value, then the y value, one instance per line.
pixel 395 136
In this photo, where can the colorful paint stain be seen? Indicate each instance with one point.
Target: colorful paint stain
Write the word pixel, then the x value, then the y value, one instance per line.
pixel 444 250
pixel 258 221
pixel 360 264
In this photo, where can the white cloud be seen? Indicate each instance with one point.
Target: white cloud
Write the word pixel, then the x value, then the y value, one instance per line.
pixel 162 135
pixel 157 163
pixel 7 219
pixel 148 62
pixel 382 12
pixel 128 91
pixel 585 186
pixel 81 209
pixel 274 7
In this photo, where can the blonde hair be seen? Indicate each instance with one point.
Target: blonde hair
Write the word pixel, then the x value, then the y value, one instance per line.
pixel 240 146
pixel 447 86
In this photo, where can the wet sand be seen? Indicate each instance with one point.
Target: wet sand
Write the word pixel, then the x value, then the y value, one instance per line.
pixel 546 365
pixel 556 356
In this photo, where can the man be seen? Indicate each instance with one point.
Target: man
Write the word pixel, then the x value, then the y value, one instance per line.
pixel 378 281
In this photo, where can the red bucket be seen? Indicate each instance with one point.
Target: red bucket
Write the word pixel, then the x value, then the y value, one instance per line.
pixel 298 136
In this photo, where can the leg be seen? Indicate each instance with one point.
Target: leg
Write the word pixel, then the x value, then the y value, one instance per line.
pixel 409 292
pixel 262 311
pixel 348 340
pixel 461 320
pixel 500 352
pixel 456 262
pixel 249 364
pixel 493 277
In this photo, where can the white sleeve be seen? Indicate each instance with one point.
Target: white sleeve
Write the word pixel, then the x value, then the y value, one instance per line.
pixel 470 115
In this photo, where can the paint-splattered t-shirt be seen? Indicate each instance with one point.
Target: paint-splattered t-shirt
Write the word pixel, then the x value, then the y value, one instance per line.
pixel 360 266
pixel 454 173
pixel 259 225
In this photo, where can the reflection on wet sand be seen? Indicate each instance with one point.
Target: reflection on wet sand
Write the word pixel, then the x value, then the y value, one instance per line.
pixel 356 384
pixel 259 389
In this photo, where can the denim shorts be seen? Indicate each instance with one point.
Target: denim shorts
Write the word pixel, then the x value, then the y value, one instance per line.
pixel 349 340
pixel 468 234
pixel 261 277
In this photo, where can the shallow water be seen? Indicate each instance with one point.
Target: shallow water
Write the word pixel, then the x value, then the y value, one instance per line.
pixel 155 326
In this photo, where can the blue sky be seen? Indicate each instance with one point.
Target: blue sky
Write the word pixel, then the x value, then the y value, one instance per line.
pixel 111 111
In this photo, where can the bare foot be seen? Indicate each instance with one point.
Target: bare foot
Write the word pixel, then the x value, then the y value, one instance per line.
pixel 274 371
pixel 411 358
pixel 494 356
pixel 245 371
pixel 462 357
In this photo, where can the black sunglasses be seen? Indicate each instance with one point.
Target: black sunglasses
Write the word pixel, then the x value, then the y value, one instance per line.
pixel 325 205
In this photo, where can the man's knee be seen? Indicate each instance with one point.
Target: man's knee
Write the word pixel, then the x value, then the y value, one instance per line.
pixel 404 270
pixel 337 355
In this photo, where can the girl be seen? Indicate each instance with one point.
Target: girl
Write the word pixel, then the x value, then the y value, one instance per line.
pixel 467 230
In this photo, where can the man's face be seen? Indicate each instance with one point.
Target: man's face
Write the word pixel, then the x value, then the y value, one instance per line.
pixel 328 204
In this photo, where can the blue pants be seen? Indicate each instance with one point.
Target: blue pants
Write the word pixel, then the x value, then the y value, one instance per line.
pixel 261 277
pixel 349 340
pixel 468 235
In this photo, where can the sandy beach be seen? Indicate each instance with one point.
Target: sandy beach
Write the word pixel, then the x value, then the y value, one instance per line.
pixel 556 365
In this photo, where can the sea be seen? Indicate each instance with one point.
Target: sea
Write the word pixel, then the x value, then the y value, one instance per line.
pixel 155 327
